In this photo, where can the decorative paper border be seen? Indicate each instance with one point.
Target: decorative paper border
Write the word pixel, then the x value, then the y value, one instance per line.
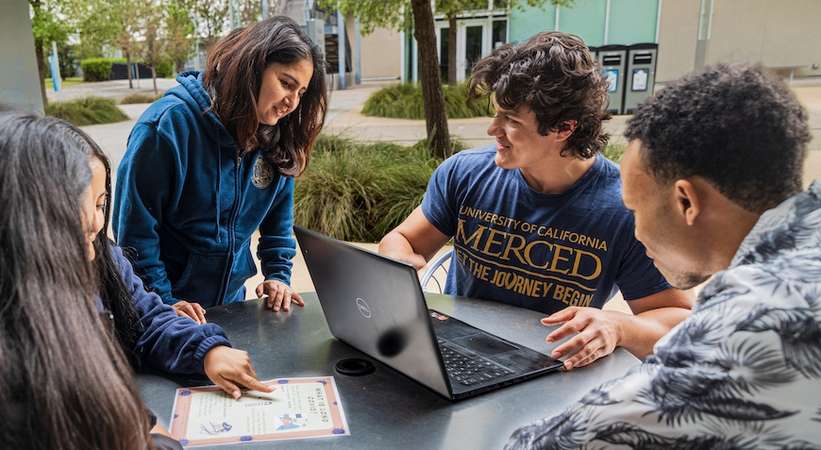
pixel 182 405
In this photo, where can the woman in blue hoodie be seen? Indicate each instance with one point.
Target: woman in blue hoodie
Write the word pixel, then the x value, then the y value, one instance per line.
pixel 213 161
pixel 150 333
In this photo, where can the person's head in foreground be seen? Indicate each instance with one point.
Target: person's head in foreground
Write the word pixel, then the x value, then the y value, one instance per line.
pixel 713 174
pixel 550 99
pixel 705 159
pixel 64 383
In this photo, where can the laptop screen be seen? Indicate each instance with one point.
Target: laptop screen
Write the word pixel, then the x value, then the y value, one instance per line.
pixel 374 304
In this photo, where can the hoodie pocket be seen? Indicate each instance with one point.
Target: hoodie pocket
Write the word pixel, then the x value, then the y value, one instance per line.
pixel 244 268
pixel 201 279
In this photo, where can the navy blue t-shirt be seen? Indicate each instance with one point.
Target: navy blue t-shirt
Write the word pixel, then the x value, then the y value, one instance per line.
pixel 539 251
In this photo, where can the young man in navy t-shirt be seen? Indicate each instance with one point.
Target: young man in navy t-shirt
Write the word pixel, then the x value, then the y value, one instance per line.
pixel 537 219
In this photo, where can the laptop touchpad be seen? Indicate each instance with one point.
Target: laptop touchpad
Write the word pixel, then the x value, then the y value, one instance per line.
pixel 484 344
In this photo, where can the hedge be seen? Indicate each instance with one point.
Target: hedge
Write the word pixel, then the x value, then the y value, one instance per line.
pixel 98 69
pixel 86 111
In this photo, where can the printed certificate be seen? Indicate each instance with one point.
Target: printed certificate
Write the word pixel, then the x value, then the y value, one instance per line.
pixel 298 408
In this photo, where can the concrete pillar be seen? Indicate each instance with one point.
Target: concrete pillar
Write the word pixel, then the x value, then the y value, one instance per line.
pixel 341 50
pixel 19 80
pixel 357 53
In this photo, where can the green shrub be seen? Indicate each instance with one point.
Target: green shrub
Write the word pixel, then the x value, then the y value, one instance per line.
pixel 165 69
pixel 98 69
pixel 140 98
pixel 404 101
pixel 614 152
pixel 86 111
pixel 358 192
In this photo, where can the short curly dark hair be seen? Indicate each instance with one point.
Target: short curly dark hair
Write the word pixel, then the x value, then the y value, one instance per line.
pixel 556 76
pixel 736 126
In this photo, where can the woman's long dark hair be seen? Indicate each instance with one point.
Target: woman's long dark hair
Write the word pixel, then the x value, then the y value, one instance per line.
pixel 110 285
pixel 233 76
pixel 64 383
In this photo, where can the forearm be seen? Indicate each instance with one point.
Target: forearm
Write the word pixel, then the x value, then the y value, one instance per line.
pixel 640 332
pixel 394 244
pixel 277 246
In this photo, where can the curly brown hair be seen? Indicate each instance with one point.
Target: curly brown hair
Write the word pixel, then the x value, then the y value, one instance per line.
pixel 556 76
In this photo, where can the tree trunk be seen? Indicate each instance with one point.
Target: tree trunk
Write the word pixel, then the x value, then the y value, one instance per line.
pixel 128 69
pixel 41 68
pixel 452 50
pixel 154 77
pixel 38 53
pixel 436 120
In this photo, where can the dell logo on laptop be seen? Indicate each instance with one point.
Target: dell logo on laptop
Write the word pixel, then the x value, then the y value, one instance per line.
pixel 363 308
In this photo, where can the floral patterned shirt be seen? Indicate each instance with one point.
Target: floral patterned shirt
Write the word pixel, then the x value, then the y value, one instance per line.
pixel 742 372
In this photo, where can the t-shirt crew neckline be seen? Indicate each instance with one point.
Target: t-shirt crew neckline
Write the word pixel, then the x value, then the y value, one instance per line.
pixel 552 199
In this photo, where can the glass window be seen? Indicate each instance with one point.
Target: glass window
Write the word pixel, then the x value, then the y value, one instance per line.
pixel 443 54
pixel 473 46
pixel 499 35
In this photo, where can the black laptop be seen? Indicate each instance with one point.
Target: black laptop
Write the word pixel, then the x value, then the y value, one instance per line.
pixel 376 305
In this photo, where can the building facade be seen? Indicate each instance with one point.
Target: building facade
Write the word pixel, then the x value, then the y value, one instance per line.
pixel 689 34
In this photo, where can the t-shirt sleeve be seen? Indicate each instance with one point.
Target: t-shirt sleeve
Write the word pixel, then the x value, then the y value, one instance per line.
pixel 638 277
pixel 439 203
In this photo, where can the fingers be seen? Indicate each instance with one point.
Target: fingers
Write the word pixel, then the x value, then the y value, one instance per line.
pixel 275 297
pixel 286 299
pixel 279 296
pixel 577 325
pixel 185 309
pixel 594 350
pixel 270 292
pixel 252 383
pixel 560 316
pixel 200 312
pixel 229 387
pixel 251 370
pixel 573 345
pixel 243 373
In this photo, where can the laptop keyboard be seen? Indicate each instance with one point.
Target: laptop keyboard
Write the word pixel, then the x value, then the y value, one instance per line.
pixel 468 369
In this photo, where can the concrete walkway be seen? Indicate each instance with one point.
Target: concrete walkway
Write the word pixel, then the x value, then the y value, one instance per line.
pixel 344 117
pixel 115 89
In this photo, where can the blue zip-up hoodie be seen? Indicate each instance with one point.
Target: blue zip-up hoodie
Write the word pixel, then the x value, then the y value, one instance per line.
pixel 188 204
pixel 167 341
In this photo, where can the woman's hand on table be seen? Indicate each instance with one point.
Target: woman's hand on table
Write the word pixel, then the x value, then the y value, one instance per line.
pixel 231 370
pixel 279 295
pixel 190 309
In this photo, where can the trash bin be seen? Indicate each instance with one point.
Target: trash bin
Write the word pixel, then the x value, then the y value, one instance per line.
pixel 613 59
pixel 595 52
pixel 641 75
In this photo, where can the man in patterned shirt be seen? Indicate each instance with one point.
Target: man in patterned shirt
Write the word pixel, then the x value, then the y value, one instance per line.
pixel 713 176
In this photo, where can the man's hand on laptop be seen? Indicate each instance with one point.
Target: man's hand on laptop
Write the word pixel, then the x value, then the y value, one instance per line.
pixel 280 295
pixel 597 332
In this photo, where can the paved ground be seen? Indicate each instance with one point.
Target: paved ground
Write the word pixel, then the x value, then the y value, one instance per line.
pixel 344 117
pixel 116 89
